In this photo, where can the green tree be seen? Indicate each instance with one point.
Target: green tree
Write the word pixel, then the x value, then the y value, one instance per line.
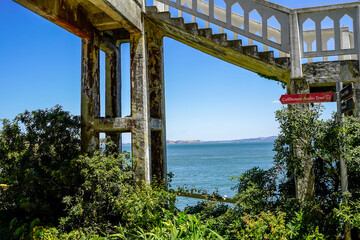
pixel 111 196
pixel 37 150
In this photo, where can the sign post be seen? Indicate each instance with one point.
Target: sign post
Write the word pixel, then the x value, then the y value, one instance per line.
pixel 345 97
pixel 342 107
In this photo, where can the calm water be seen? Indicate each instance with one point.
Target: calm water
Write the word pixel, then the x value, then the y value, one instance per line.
pixel 209 166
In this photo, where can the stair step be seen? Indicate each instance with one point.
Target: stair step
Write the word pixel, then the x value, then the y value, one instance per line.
pixel 220 38
pixel 251 50
pixel 152 9
pixel 164 16
pixel 179 22
pixel 283 62
pixel 205 32
pixel 267 56
pixel 192 27
pixel 236 45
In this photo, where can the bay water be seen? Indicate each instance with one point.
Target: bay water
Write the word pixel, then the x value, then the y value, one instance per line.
pixel 209 166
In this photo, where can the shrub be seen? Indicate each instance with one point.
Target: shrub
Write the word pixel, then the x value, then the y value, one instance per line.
pixel 37 150
pixel 111 196
pixel 43 178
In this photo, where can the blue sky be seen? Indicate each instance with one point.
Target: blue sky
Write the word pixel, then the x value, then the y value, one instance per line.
pixel 206 98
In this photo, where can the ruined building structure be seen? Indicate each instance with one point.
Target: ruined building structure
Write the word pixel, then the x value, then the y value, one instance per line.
pixel 314 47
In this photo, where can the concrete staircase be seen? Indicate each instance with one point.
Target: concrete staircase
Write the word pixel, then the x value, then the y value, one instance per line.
pixel 231 51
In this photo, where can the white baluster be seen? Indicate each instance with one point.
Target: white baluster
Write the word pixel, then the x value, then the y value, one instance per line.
pixel 324 46
pixel 207 24
pixel 345 44
pixel 160 6
pixel 221 30
pixel 193 18
pixel 309 49
pixel 235 35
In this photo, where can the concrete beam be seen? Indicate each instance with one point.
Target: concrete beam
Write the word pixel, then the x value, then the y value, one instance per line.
pixel 327 7
pixel 156 124
pixel 121 124
pixel 329 73
pixel 214 49
pixel 125 12
pixel 108 44
pixel 103 22
pixel 67 14
pixel 117 124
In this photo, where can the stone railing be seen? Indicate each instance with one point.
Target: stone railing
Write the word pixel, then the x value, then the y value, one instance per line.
pixel 329 31
pixel 264 22
pixel 324 31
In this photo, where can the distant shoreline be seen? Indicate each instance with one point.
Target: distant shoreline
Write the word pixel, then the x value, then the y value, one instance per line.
pixel 259 139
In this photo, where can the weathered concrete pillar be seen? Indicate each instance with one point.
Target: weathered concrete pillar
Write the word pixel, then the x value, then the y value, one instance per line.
pixel 113 92
pixel 90 92
pixel 304 184
pixel 295 46
pixel 357 98
pixel 157 102
pixel 140 107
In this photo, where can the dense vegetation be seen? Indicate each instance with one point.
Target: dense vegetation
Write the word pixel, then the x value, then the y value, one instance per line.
pixel 50 191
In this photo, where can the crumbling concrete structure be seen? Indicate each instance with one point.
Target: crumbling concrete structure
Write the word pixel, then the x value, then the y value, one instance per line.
pixel 106 24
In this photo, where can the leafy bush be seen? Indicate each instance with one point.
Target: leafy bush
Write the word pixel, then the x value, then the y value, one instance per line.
pixel 37 150
pixel 110 196
pixel 49 191
pixel 255 190
pixel 324 141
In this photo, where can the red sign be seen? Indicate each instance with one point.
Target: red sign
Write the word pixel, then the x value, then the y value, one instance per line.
pixel 307 98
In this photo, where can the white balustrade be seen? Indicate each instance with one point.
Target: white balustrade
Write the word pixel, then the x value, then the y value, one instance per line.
pixel 268 24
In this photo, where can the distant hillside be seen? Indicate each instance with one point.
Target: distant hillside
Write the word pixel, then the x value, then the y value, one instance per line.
pixel 259 139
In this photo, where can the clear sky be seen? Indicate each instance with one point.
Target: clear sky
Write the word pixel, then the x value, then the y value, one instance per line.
pixel 206 98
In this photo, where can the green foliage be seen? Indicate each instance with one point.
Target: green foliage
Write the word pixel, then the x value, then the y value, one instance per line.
pixel 36 154
pixel 269 225
pixel 44 178
pixel 283 85
pixel 324 142
pixel 298 126
pixel 111 196
pixel 181 226
pixel 255 190
pixel 349 213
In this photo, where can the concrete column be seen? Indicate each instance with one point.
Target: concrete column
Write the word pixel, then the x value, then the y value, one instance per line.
pixel 357 99
pixel 157 103
pixel 90 92
pixel 113 92
pixel 140 107
pixel 295 46
pixel 305 185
